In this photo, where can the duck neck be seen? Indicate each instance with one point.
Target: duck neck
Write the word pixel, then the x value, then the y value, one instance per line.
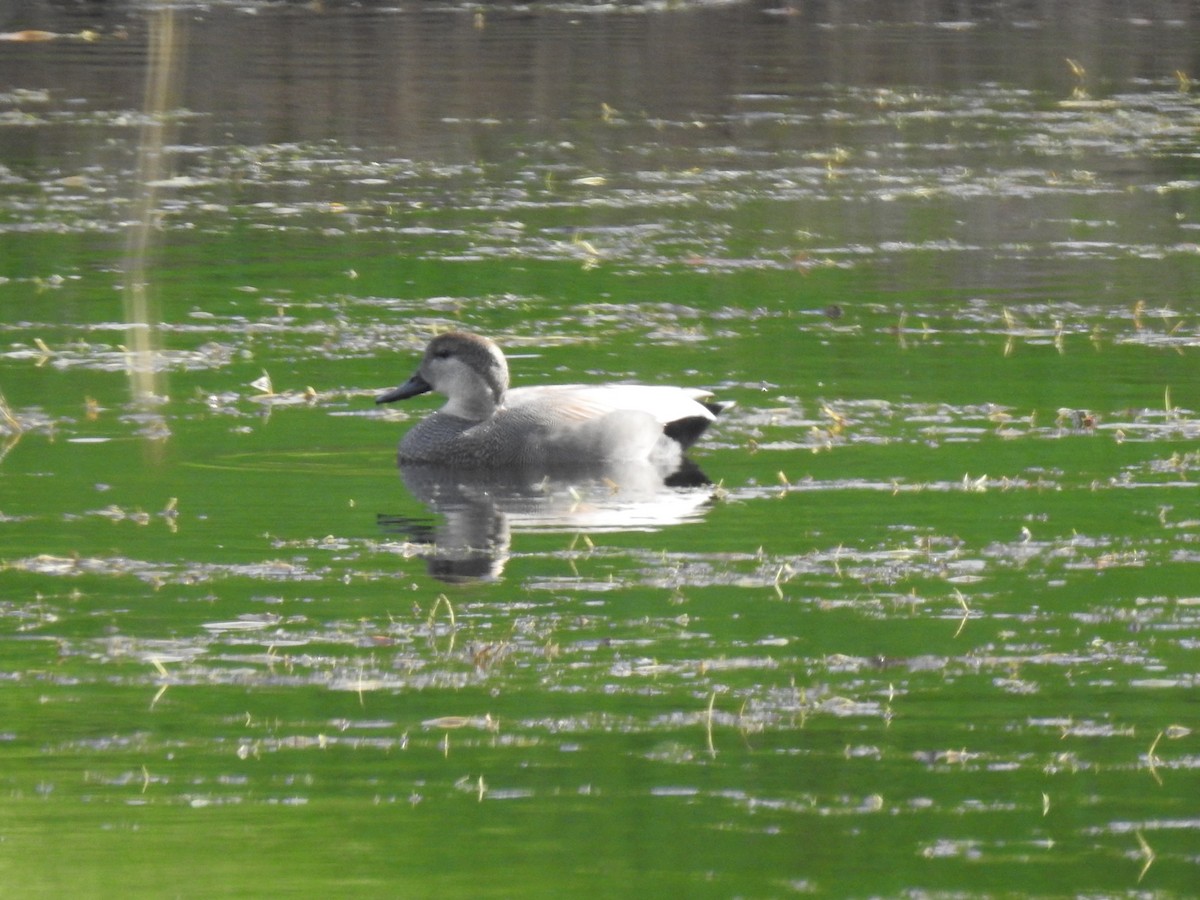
pixel 476 402
pixel 475 408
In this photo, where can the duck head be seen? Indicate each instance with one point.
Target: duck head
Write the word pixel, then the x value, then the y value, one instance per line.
pixel 468 369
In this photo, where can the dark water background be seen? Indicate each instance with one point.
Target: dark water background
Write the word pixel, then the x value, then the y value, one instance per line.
pixel 934 633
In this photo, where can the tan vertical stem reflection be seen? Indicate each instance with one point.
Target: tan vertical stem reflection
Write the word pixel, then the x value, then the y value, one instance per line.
pixel 143 339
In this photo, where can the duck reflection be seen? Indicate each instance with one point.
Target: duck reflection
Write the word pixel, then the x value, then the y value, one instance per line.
pixel 477 512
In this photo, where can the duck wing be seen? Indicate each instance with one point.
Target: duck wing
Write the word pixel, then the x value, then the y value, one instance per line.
pixel 584 402
pixel 681 413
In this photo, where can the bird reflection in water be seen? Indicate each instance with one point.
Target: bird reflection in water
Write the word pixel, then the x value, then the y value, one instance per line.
pixel 476 513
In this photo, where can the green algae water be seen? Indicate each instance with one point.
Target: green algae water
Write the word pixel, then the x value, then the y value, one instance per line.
pixel 930 632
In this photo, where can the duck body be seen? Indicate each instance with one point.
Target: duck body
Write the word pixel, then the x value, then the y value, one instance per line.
pixel 485 424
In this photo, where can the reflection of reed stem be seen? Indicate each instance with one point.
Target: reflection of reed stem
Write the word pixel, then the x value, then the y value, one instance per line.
pixel 142 336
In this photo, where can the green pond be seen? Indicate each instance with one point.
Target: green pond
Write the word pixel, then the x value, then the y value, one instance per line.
pixel 933 628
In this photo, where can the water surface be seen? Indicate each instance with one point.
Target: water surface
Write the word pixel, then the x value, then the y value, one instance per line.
pixel 931 633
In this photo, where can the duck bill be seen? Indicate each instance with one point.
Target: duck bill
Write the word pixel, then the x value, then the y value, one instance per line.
pixel 411 388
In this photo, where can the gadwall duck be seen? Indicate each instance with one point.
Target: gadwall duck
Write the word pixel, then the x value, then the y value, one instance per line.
pixel 484 424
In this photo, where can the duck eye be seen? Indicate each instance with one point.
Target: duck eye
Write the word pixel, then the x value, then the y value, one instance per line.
pixel 442 354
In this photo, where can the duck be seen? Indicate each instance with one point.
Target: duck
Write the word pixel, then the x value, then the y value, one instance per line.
pixel 485 424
